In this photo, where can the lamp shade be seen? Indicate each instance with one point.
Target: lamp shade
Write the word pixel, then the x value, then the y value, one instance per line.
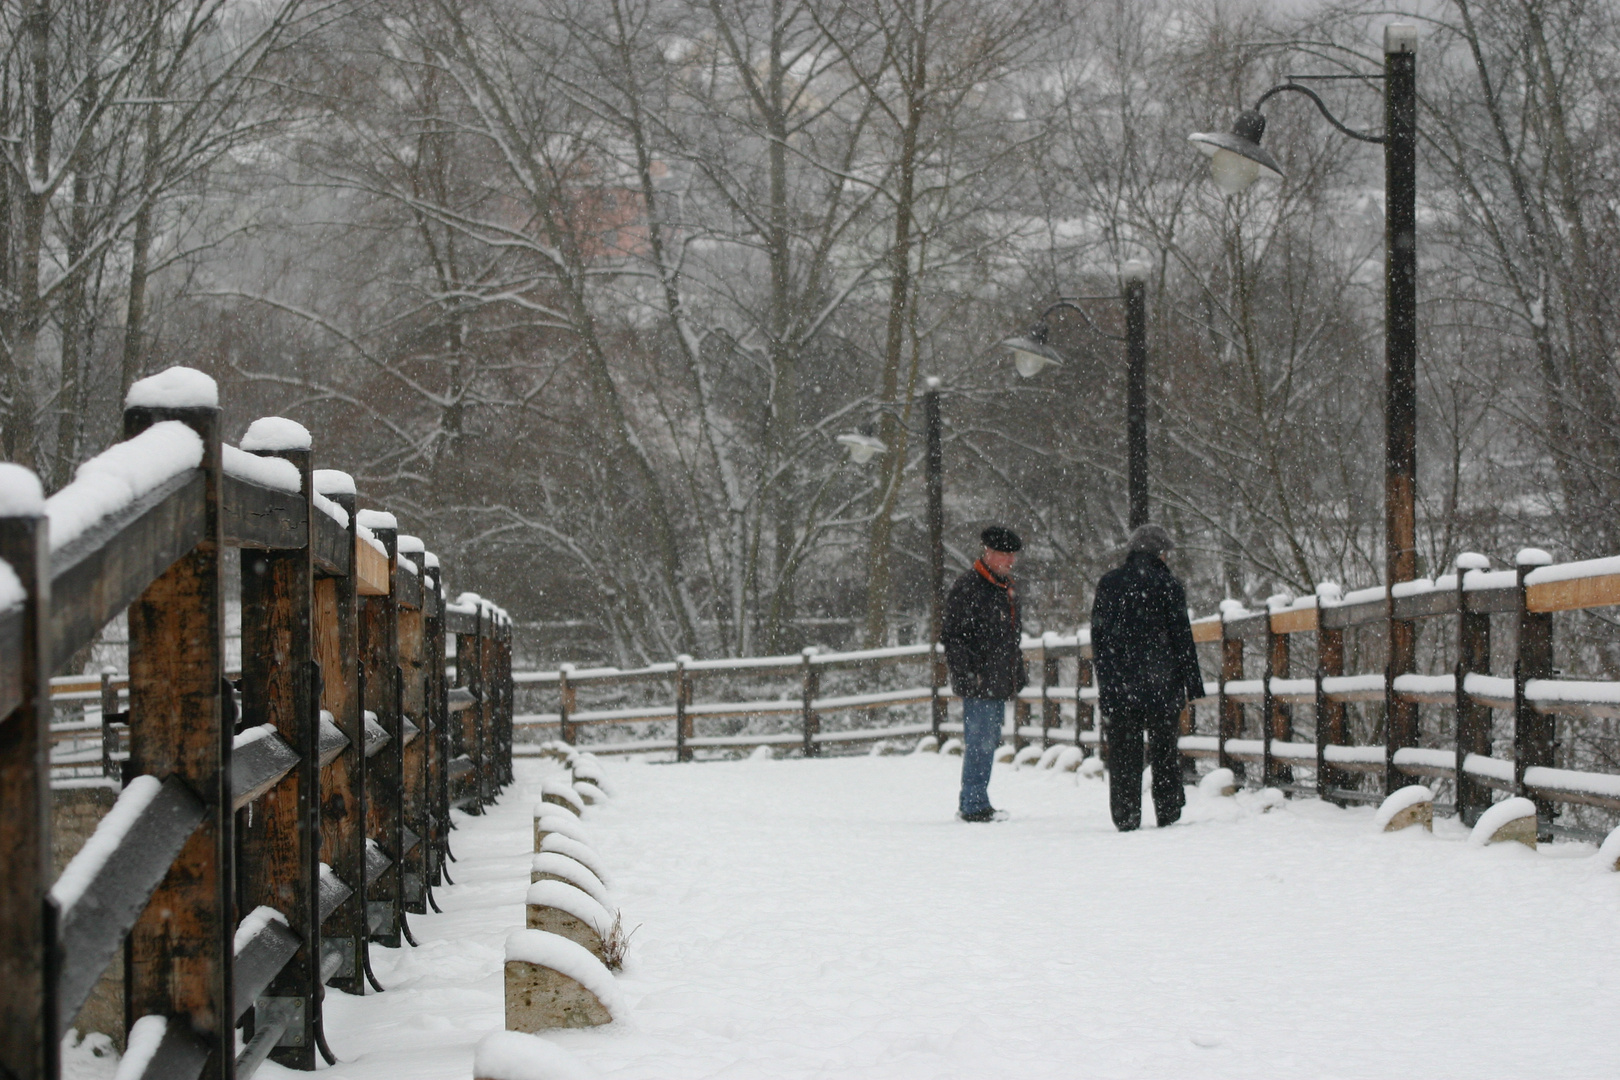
pixel 862 448
pixel 1031 353
pixel 1236 158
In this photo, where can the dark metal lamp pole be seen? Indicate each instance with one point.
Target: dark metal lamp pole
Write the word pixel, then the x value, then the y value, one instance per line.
pixel 1133 276
pixel 1236 160
pixel 1032 354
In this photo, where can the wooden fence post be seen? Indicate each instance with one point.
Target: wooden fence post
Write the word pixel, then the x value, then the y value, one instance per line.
pixel 1279 717
pixel 109 713
pixel 438 799
pixel 938 680
pixel 809 690
pixel 489 714
pixel 278 861
pixel 682 751
pixel 503 679
pixel 565 704
pixel 343 787
pixel 414 710
pixel 1473 719
pixel 28 1032
pixel 179 959
pixel 1533 732
pixel 1085 715
pixel 385 811
pixel 1050 716
pixel 1329 714
pixel 1231 719
pixel 1400 717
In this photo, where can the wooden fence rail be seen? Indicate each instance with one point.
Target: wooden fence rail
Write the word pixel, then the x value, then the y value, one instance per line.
pixel 272 821
pixel 1526 596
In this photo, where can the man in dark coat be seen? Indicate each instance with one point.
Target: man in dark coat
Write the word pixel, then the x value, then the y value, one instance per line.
pixel 982 635
pixel 1147 670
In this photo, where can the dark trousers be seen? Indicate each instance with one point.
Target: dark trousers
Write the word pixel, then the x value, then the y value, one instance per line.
pixel 1125 730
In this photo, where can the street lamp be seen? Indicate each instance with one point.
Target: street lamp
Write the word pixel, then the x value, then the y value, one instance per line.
pixel 862 448
pixel 1032 355
pixel 1236 160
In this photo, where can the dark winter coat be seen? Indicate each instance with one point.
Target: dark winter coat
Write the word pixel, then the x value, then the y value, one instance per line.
pixel 982 634
pixel 1141 639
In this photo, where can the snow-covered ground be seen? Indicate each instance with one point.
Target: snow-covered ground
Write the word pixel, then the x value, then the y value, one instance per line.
pixel 831 919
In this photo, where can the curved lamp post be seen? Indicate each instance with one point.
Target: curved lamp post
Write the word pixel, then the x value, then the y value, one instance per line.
pixel 862 448
pixel 1236 160
pixel 1032 355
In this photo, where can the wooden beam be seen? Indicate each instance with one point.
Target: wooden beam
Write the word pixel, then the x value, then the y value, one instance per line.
pixel 179 959
pixel 279 861
pixel 379 652
pixel 372 569
pixel 1573 594
pixel 28 1031
pixel 1294 621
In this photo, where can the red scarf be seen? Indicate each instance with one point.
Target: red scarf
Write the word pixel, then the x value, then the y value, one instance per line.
pixel 1004 586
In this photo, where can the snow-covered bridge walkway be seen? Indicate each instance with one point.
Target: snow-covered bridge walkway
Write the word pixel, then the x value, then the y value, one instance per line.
pixel 829 918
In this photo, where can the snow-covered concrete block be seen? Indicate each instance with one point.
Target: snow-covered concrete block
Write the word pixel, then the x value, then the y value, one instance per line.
pixel 589 792
pixel 549 819
pixel 928 744
pixel 1405 807
pixel 1511 819
pixel 762 753
pixel 514 1055
pixel 1092 768
pixel 952 746
pixel 560 908
pixel 580 853
pixel 1218 782
pixel 550 866
pixel 562 794
pixel 1029 755
pixel 586 767
pixel 1608 855
pixel 1049 756
pixel 1069 759
pixel 1004 753
pixel 552 982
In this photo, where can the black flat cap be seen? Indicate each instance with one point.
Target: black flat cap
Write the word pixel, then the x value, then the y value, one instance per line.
pixel 1001 538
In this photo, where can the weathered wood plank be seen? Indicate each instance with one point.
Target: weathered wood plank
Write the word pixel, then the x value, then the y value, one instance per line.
pixel 259 766
pixel 413 706
pixel 260 959
pixel 333 741
pixel 371 569
pixel 180 958
pixel 1348 615
pixel 334 545
pixel 261 517
pixel 13 657
pixel 1294 621
pixel 1573 594
pixel 379 652
pixel 91 930
pixel 96 577
pixel 28 1032
pixel 278 859
pixel 180 1055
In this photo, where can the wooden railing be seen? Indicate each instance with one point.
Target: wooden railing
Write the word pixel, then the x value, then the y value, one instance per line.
pixel 271 822
pixel 1527 596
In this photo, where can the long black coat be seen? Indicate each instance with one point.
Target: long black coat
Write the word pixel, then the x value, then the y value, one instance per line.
pixel 1142 641
pixel 982 634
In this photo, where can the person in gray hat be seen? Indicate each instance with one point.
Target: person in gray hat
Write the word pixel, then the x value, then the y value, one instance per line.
pixel 1147 671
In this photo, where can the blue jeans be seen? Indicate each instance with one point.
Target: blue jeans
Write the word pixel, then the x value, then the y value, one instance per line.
pixel 981 734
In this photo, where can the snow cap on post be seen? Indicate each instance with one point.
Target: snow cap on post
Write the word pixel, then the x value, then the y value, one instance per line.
pixel 333 482
pixel 21 494
pixel 411 545
pixel 1473 560
pixel 273 434
pixel 377 519
pixel 1532 557
pixel 176 388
